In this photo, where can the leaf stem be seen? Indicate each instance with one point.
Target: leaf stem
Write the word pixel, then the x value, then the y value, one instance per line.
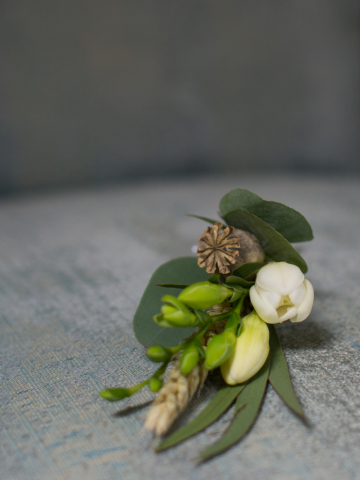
pixel 239 303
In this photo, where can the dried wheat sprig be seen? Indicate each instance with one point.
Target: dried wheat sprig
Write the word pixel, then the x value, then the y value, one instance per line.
pixel 179 389
pixel 172 399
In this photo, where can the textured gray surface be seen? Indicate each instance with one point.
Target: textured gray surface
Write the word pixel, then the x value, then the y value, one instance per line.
pixel 73 267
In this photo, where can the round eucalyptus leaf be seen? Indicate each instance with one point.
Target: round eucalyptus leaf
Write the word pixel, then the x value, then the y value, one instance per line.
pixel 181 271
pixel 288 222
pixel 276 247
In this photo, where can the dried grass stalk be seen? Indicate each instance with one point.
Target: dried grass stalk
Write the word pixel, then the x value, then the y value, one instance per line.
pixel 173 398
pixel 179 389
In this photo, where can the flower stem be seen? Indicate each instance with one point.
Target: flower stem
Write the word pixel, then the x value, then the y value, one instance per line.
pixel 239 303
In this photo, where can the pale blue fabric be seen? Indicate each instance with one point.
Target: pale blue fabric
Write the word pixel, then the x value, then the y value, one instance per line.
pixel 72 270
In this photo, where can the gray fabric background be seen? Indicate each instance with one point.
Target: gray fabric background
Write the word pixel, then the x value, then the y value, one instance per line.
pixel 72 270
pixel 106 90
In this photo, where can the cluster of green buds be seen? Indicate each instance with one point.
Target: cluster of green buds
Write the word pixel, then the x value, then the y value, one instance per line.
pixel 225 350
pixel 184 311
pixel 189 309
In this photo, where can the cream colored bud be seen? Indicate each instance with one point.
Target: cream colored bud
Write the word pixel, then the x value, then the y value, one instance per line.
pixel 281 293
pixel 250 352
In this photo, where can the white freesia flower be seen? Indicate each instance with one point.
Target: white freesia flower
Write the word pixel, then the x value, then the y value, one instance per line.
pixel 250 352
pixel 281 293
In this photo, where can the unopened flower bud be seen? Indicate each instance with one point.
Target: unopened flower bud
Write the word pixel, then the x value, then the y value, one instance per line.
pixel 219 349
pixel 204 295
pixel 115 394
pixel 189 359
pixel 155 384
pixel 250 351
pixel 158 353
pixel 119 393
pixel 174 314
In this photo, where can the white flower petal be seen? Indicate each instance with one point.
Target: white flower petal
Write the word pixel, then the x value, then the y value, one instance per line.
pixel 298 295
pixel 286 312
pixel 265 311
pixel 272 298
pixel 305 308
pixel 280 277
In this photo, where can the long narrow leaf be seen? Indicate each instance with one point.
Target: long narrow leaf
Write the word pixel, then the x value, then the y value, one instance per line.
pixel 172 285
pixel 279 374
pixel 206 219
pixel 217 406
pixel 247 407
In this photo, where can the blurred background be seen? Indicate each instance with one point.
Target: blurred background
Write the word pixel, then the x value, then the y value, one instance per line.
pixel 113 91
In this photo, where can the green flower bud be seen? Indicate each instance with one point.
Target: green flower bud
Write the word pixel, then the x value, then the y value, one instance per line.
pixel 174 314
pixel 158 353
pixel 250 352
pixel 119 393
pixel 204 295
pixel 219 349
pixel 155 384
pixel 115 394
pixel 189 359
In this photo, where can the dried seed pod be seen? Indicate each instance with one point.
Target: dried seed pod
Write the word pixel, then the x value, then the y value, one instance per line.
pixel 250 249
pixel 218 249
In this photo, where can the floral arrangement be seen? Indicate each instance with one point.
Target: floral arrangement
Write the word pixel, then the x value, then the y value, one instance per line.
pixel 247 277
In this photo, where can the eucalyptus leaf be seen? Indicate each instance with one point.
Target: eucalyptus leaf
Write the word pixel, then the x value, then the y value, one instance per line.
pixel 247 269
pixel 248 404
pixel 178 271
pixel 215 408
pixel 288 222
pixel 238 198
pixel 279 374
pixel 276 247
pixel 172 285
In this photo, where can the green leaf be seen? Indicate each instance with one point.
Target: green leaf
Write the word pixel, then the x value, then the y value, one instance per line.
pixel 247 269
pixel 276 247
pixel 178 271
pixel 232 280
pixel 238 198
pixel 206 219
pixel 288 222
pixel 172 285
pixel 215 408
pixel 279 374
pixel 247 407
pixel 214 278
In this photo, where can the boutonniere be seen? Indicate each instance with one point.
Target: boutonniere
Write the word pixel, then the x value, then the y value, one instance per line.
pixel 217 311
